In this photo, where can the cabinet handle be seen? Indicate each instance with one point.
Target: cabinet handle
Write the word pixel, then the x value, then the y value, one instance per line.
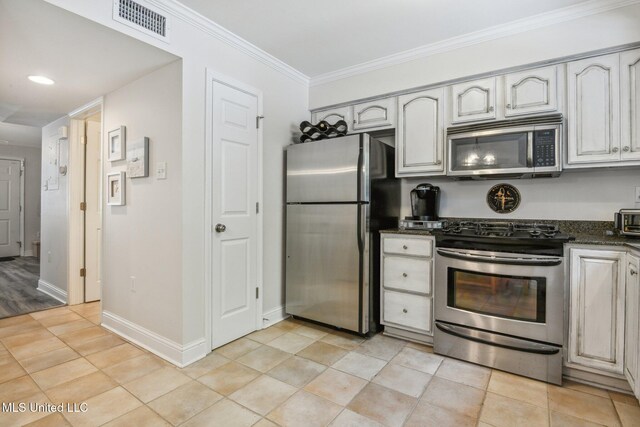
pixel 405 247
pixel 633 272
pixel 404 274
pixel 404 310
pixel 615 149
pixel 625 149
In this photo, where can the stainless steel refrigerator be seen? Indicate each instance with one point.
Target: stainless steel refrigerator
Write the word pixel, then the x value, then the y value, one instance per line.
pixel 339 193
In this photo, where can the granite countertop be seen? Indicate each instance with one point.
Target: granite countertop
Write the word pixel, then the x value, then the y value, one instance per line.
pixel 585 232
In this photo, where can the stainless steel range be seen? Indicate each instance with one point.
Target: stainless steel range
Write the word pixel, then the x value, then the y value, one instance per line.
pixel 499 296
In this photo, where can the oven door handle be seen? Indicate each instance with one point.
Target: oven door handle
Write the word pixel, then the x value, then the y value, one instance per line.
pixel 534 261
pixel 496 340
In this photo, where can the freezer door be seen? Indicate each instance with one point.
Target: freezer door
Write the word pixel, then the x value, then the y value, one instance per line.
pixel 323 264
pixel 326 171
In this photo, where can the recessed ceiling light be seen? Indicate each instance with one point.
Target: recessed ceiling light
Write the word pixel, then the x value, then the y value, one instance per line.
pixel 41 80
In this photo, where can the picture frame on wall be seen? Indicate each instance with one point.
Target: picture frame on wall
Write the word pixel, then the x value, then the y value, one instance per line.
pixel 116 144
pixel 116 188
pixel 138 158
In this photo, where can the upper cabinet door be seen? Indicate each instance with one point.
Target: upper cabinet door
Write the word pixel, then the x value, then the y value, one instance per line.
pixel 333 115
pixel 630 95
pixel 474 100
pixel 379 114
pixel 593 110
pixel 420 134
pixel 532 91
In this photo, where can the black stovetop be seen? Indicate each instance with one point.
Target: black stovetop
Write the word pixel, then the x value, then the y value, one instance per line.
pixel 530 238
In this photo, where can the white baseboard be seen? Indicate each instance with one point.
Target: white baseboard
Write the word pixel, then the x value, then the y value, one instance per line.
pixel 274 316
pixel 52 291
pixel 171 351
pixel 28 252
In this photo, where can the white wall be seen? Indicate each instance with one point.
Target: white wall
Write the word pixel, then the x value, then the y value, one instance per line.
pixel 143 239
pixel 612 28
pixel 54 244
pixel 285 105
pixel 579 195
pixel 32 161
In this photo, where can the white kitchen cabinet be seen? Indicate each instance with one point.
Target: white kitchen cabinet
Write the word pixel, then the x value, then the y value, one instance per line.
pixel 632 324
pixel 596 311
pixel 332 115
pixel 407 286
pixel 474 101
pixel 420 134
pixel 630 105
pixel 374 115
pixel 531 92
pixel 593 110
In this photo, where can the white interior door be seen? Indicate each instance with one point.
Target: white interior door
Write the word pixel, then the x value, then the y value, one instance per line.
pixel 93 231
pixel 233 213
pixel 9 208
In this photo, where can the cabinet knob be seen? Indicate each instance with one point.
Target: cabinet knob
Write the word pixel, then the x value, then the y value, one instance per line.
pixel 404 274
pixel 627 148
pixel 405 247
pixel 404 310
pixel 615 149
pixel 633 272
pixel 491 108
pixel 438 162
pixel 508 106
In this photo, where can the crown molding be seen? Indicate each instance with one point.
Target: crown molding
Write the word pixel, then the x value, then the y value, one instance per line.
pixel 206 25
pixel 557 16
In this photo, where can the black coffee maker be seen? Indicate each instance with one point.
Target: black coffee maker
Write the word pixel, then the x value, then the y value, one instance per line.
pixel 425 201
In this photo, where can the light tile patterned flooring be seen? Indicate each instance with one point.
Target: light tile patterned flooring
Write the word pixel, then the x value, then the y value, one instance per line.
pixel 291 374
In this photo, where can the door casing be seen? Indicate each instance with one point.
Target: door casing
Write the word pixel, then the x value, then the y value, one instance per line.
pixel 75 173
pixel 21 216
pixel 208 225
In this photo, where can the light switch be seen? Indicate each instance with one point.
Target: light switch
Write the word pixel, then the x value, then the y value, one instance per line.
pixel 161 170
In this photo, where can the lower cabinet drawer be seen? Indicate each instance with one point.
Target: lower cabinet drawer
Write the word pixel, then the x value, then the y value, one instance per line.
pixel 408 274
pixel 408 246
pixel 412 311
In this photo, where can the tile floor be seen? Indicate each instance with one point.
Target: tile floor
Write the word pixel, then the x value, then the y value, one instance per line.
pixel 291 374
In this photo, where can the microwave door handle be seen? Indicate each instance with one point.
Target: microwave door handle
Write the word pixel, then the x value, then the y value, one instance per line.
pixel 530 149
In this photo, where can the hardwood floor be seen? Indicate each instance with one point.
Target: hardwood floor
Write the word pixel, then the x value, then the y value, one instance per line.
pixel 18 288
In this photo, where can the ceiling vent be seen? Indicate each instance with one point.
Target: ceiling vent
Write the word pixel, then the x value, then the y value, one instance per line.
pixel 142 18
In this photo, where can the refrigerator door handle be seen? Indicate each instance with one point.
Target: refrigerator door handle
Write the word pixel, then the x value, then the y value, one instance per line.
pixel 359 228
pixel 359 195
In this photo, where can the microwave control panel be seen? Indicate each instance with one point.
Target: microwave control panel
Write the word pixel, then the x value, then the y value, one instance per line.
pixel 544 148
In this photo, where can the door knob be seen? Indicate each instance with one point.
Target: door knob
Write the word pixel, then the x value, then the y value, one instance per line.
pixel 221 228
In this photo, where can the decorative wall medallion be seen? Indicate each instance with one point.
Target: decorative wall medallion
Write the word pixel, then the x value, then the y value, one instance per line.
pixel 503 198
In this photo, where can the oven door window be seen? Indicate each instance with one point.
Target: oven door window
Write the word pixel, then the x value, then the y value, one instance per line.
pixel 510 297
pixel 506 151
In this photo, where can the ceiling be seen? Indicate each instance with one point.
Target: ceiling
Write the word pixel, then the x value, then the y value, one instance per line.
pixel 320 37
pixel 85 59
pixel 25 136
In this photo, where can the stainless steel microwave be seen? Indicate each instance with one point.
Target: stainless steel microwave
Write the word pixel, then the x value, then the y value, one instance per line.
pixel 521 148
pixel 627 222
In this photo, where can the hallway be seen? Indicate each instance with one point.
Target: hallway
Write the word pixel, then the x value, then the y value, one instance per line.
pixel 19 288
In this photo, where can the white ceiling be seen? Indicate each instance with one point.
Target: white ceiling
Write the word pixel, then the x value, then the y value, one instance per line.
pixel 85 59
pixel 25 136
pixel 317 37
